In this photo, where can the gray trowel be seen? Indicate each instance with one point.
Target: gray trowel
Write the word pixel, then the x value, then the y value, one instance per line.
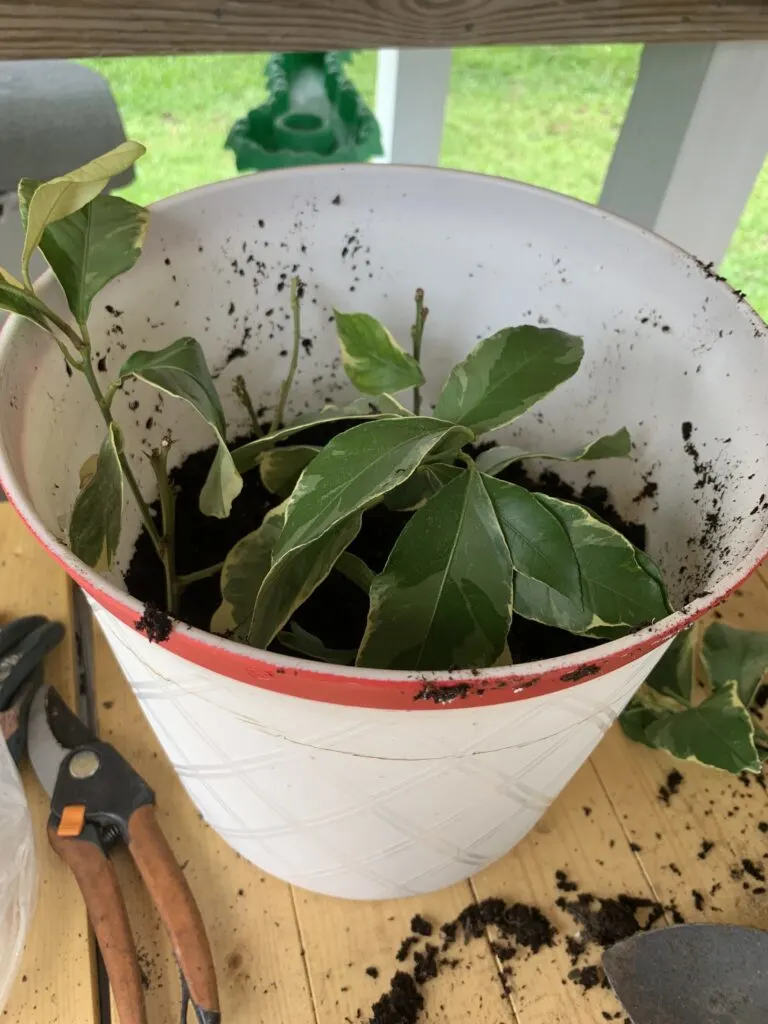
pixel 692 974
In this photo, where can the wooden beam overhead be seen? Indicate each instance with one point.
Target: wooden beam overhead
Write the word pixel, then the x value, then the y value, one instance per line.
pixel 79 28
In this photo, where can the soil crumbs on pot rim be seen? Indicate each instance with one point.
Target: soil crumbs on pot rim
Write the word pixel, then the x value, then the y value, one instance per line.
pixel 337 611
pixel 513 930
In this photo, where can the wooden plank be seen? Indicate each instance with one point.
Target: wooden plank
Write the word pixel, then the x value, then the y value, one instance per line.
pixel 285 956
pixel 70 28
pixel 694 129
pixel 411 91
pixel 343 938
pixel 581 836
pixel 55 982
pixel 249 917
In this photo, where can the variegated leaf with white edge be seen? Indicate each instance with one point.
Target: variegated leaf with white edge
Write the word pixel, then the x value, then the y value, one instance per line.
pixel 718 732
pixel 371 357
pixel 94 527
pixel 506 374
pixel 573 571
pixel 742 654
pixel 293 576
pixel 612 446
pixel 52 200
pixel 180 370
pixel 243 572
pixel 444 598
pixel 281 467
pixel 354 471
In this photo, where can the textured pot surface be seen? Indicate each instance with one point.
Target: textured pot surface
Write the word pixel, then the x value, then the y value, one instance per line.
pixel 318 773
pixel 361 802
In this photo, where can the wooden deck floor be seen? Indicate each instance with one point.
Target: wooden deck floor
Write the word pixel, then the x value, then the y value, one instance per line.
pixel 286 956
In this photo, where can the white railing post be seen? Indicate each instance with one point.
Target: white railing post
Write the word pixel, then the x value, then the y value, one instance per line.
pixel 411 90
pixel 693 142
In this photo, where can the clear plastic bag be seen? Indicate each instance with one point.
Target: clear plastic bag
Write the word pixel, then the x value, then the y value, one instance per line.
pixel 18 871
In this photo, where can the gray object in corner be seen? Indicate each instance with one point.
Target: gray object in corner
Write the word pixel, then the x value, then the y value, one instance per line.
pixel 692 974
pixel 55 115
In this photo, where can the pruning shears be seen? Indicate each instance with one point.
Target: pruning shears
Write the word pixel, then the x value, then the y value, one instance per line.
pixel 98 800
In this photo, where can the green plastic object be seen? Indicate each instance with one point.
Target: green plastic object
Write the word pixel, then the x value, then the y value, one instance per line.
pixel 314 115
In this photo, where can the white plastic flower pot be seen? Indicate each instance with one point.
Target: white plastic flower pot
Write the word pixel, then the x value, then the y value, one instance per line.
pixel 380 784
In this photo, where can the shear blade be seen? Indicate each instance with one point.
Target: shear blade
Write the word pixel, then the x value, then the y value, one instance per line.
pixel 53 731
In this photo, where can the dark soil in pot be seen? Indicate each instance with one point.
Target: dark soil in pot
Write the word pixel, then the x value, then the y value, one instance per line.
pixel 337 610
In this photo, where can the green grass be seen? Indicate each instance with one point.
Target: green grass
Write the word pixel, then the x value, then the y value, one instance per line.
pixel 547 115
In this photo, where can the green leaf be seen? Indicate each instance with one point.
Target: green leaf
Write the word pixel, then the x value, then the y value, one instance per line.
pixel 308 645
pixel 425 482
pixel 506 374
pixel 180 370
pixel 243 572
pixel 6 277
pixel 674 674
pixel 90 247
pixel 293 577
pixel 25 189
pixel 58 198
pixel 611 446
pixel 223 620
pixel 355 570
pixel 444 599
pixel 372 359
pixel 573 570
pixel 637 718
pixel 717 732
pixel 354 471
pixel 249 455
pixel 280 468
pixel 323 514
pixel 222 485
pixel 740 654
pixel 16 300
pixel 94 529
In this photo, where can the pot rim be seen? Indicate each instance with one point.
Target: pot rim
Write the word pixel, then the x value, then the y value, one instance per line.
pixel 383 688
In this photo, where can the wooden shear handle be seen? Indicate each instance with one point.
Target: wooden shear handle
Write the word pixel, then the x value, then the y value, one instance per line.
pixel 97 880
pixel 180 914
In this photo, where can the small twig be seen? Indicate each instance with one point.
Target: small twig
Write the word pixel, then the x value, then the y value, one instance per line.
pixel 146 516
pixel 417 333
pixel 159 462
pixel 200 574
pixel 240 389
pixel 285 387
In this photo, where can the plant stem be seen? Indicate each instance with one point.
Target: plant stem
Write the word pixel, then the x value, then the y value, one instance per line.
pixel 417 333
pixel 240 389
pixel 87 369
pixel 66 330
pixel 201 574
pixel 285 387
pixel 159 461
